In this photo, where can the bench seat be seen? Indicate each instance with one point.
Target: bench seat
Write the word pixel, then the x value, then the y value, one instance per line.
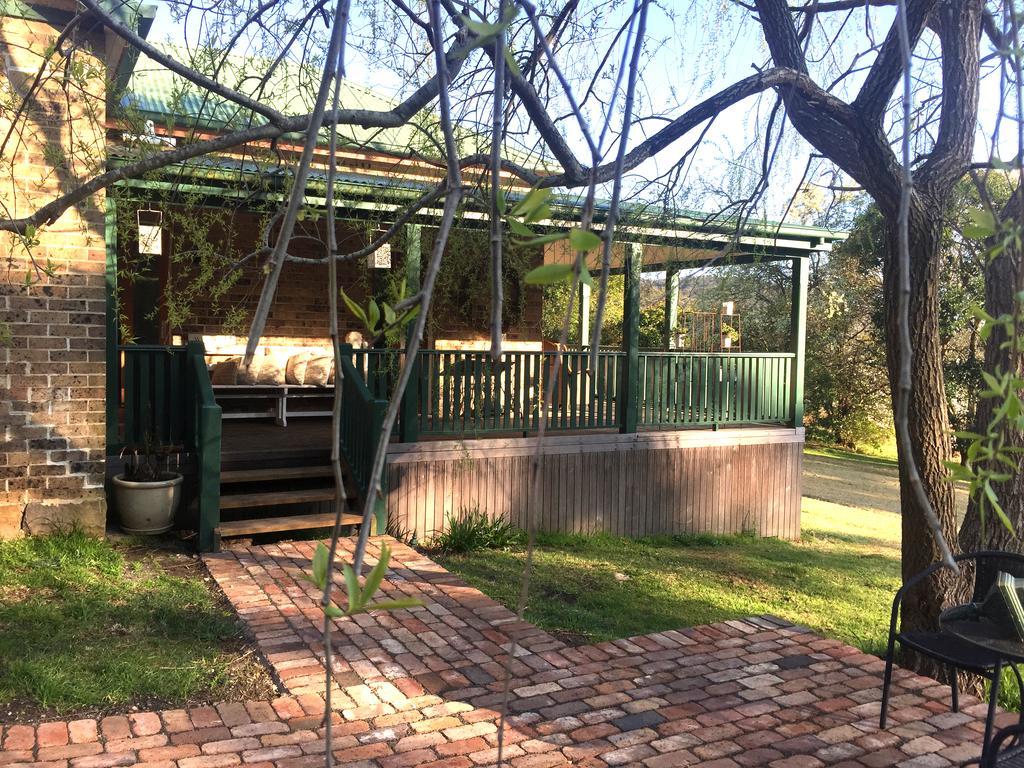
pixel 276 396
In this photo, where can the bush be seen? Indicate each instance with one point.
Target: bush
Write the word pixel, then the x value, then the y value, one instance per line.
pixel 473 530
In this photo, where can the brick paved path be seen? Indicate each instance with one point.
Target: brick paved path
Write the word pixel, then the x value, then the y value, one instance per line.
pixel 422 688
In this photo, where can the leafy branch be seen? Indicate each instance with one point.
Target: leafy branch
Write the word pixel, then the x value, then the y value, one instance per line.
pixel 358 596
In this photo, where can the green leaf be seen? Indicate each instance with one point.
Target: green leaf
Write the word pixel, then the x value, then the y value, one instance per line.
pixel 968 435
pixel 585 276
pixel 333 611
pixel 539 213
pixel 993 500
pixel 389 314
pixel 320 565
pixel 535 198
pixel 409 315
pixel 554 237
pixel 502 203
pixel 352 584
pixel 993 383
pixel 958 471
pixel 354 308
pixel 548 274
pixel 582 240
pixel 484 31
pixel 394 605
pixel 373 318
pixel 510 61
pixel 377 574
pixel 983 224
pixel 518 228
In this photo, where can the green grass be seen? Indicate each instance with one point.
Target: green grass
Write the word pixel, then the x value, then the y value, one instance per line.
pixel 838 580
pixel 83 627
pixel 881 459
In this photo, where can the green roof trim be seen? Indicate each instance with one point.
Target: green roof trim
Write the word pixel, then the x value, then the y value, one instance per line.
pixel 227 179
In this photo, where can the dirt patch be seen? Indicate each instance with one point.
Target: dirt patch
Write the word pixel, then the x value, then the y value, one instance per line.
pixel 574 639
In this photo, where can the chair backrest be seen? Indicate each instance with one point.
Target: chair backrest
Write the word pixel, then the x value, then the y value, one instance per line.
pixel 988 565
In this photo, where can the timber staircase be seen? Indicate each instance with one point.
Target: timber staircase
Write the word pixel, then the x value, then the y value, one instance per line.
pixel 266 495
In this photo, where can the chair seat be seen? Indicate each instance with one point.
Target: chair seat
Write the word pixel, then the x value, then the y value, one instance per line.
pixel 950 649
pixel 1011 758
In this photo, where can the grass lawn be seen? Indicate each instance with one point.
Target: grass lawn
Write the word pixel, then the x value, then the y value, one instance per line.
pixel 90 626
pixel 838 580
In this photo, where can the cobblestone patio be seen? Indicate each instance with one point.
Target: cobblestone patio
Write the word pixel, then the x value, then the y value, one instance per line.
pixel 422 688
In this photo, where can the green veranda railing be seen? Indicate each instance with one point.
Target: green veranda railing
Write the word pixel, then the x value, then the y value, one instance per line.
pixel 362 419
pixel 162 394
pixel 466 393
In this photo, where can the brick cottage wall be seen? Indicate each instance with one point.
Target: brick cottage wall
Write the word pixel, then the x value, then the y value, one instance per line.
pixel 300 313
pixel 52 369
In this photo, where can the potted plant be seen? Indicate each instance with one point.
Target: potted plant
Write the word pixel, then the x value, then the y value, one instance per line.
pixel 147 494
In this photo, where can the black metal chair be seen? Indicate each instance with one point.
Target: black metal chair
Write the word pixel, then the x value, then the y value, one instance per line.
pixel 952 651
pixel 1001 754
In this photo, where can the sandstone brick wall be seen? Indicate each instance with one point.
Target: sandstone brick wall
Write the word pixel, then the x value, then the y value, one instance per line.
pixel 52 369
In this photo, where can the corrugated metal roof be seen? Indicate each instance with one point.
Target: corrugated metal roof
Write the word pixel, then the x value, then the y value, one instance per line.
pixel 160 95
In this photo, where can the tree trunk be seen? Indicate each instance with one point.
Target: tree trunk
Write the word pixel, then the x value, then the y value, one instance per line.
pixel 928 421
pixel 1002 281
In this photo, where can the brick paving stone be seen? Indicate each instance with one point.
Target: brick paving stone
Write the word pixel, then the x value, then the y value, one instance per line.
pixel 422 689
pixel 82 731
pixel 52 734
pixel 145 723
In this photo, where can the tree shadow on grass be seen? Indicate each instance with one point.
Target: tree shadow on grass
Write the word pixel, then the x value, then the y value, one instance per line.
pixel 613 588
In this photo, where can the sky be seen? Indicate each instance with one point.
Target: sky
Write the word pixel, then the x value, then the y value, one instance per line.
pixel 704 30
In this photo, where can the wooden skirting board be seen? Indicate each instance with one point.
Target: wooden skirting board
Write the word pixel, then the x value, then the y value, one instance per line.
pixel 693 481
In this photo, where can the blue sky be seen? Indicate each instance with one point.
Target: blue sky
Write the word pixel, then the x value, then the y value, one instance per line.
pixel 701 47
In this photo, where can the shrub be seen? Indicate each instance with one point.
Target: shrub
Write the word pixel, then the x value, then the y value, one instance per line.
pixel 473 530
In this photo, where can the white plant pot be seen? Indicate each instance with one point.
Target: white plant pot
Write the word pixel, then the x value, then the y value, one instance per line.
pixel 147 508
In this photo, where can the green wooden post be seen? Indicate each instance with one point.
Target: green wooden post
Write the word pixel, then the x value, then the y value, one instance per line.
pixel 798 338
pixel 209 477
pixel 380 501
pixel 671 305
pixel 629 391
pixel 409 421
pixel 584 314
pixel 112 361
pixel 207 437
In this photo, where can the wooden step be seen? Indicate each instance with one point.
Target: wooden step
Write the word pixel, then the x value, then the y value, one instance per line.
pixel 274 473
pixel 275 498
pixel 288 523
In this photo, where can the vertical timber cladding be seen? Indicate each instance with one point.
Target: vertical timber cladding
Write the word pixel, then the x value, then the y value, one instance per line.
pixel 52 370
pixel 698 481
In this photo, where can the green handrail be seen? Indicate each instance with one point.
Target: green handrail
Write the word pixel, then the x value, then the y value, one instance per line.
pixel 206 446
pixel 362 419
